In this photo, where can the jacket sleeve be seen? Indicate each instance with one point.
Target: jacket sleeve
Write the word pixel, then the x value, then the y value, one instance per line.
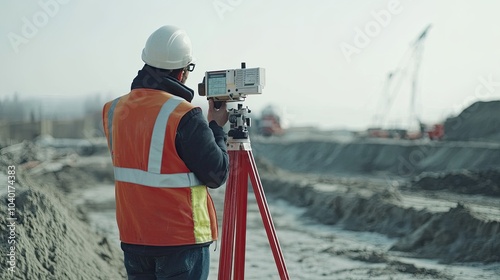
pixel 202 147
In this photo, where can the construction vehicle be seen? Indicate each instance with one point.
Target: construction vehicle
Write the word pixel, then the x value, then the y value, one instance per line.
pixel 271 122
pixel 437 132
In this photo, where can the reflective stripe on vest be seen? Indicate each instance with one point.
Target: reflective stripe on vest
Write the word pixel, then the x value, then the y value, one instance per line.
pixel 158 137
pixel 153 177
pixel 141 177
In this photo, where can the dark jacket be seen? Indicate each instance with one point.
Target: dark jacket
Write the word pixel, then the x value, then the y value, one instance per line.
pixel 201 146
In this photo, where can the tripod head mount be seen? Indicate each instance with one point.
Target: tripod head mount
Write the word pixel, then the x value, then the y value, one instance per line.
pixel 239 122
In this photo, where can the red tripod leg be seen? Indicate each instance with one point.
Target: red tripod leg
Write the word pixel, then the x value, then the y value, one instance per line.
pixel 266 216
pixel 229 219
pixel 241 217
pixel 233 243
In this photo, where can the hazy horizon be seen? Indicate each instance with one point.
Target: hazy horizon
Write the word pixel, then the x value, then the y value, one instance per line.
pixel 326 64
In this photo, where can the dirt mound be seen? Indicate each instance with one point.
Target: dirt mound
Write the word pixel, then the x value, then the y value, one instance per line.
pixel 466 182
pixel 480 121
pixel 454 236
pixel 457 235
pixel 367 211
pixel 53 242
pixel 21 153
pixel 53 239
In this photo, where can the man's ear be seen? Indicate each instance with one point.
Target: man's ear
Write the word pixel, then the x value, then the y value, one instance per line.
pixel 184 75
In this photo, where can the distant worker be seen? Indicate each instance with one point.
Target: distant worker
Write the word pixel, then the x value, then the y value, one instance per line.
pixel 165 154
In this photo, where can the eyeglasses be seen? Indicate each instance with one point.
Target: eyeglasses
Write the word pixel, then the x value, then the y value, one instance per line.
pixel 190 67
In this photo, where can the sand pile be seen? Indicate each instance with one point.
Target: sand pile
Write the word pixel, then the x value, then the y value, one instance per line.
pixel 454 236
pixel 53 238
pixel 467 182
pixel 480 121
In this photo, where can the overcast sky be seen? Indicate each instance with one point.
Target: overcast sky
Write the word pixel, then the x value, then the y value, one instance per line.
pixel 326 61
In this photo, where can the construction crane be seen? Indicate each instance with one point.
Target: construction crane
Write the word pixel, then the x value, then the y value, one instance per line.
pixel 409 65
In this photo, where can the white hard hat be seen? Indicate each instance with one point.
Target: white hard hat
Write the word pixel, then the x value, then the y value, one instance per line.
pixel 169 47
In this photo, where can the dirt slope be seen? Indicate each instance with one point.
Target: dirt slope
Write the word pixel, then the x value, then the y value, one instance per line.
pixel 377 157
pixel 480 121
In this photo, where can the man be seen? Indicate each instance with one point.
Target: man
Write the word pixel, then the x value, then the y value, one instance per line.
pixel 165 155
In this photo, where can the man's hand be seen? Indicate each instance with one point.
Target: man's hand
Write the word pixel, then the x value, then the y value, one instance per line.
pixel 220 115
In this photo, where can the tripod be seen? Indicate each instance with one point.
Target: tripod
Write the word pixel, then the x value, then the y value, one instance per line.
pixel 242 166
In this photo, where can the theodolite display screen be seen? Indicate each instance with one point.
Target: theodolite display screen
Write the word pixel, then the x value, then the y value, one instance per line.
pixel 216 83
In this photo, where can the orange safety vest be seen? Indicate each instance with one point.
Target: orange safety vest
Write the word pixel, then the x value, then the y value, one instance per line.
pixel 159 201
